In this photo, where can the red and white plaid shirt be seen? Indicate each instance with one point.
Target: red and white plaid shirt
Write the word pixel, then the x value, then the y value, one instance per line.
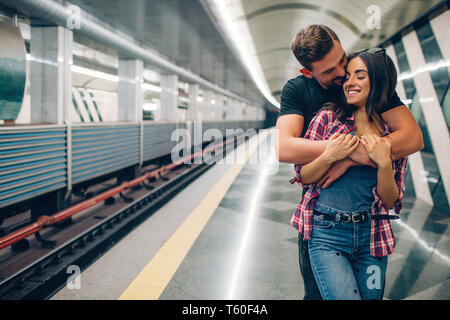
pixel 322 127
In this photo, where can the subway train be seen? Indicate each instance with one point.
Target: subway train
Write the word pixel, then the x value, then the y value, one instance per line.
pixel 42 165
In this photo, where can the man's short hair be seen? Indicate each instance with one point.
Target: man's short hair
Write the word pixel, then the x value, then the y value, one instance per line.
pixel 312 44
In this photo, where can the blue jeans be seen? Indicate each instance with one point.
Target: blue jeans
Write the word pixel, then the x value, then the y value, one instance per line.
pixel 311 290
pixel 341 261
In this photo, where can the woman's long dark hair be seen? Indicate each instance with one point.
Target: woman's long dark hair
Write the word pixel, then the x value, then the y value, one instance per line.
pixel 383 79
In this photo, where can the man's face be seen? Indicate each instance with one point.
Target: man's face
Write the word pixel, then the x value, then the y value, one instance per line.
pixel 330 70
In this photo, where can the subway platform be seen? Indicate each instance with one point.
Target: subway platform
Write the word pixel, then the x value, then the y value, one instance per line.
pixel 227 236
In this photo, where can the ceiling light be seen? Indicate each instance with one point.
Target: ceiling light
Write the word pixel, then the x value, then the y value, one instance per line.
pixel 228 16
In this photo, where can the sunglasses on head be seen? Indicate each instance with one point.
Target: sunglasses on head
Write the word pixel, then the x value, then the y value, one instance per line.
pixel 375 50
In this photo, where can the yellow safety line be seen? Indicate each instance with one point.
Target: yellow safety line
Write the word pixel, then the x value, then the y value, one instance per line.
pixel 153 279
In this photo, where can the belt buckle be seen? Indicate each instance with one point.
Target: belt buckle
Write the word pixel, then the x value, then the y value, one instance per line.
pixel 348 216
pixel 353 218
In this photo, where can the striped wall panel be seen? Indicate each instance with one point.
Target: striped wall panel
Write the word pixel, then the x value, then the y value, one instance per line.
pixel 421 51
pixel 415 161
pixel 32 162
pixel 98 150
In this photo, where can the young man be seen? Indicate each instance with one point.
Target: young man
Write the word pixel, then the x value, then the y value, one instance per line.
pixel 323 62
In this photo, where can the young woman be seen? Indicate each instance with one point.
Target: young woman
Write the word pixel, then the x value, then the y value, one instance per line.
pixel 348 223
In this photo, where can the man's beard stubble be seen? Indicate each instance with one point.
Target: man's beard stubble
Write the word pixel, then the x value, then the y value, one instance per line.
pixel 337 83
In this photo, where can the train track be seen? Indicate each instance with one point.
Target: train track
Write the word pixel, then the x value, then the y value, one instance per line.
pixel 39 272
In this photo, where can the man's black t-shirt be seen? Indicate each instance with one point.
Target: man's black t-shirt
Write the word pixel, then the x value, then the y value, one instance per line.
pixel 305 96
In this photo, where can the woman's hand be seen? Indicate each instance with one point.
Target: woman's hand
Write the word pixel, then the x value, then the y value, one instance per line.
pixel 377 149
pixel 339 146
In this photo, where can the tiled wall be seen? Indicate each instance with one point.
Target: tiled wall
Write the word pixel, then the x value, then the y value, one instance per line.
pixel 422 57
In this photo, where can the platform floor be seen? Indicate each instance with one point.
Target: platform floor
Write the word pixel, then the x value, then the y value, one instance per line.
pixel 246 249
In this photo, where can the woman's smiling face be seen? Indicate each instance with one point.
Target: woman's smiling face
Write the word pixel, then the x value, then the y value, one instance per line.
pixel 357 84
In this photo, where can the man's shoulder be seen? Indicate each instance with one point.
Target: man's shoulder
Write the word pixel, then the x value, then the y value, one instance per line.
pixel 298 97
pixel 299 82
pixel 300 86
pixel 297 88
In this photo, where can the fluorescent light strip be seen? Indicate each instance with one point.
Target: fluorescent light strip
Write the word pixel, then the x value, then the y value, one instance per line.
pixel 237 30
pixel 151 87
pixel 408 101
pixel 426 68
pixel 113 78
pixel 96 74
pixel 29 57
pixel 421 100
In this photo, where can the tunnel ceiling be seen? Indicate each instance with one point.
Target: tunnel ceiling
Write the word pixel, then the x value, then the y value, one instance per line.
pixel 273 24
pixel 180 30
pixel 187 33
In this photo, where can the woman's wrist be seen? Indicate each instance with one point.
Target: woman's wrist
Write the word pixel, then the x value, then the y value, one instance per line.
pixel 327 158
pixel 385 165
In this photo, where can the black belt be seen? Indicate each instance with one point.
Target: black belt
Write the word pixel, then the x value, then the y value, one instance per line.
pixel 355 217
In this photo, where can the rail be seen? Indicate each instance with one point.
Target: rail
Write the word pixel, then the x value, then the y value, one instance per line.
pixel 45 221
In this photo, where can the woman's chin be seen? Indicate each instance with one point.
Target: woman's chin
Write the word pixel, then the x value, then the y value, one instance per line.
pixel 354 102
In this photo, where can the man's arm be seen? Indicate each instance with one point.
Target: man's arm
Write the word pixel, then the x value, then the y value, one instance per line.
pixel 405 139
pixel 338 148
pixel 290 147
pixel 407 136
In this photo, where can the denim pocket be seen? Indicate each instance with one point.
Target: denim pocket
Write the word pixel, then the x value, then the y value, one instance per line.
pixel 321 223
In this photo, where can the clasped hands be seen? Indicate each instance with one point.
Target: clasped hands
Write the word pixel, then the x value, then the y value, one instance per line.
pixel 341 146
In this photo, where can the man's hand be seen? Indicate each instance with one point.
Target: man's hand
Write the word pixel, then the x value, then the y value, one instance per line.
pixel 336 171
pixel 360 156
pixel 290 147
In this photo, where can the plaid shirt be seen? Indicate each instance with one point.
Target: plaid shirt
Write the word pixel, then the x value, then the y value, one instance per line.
pixel 382 242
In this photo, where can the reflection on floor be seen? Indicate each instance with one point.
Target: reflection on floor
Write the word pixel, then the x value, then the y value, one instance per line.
pixel 420 266
pixel 220 266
